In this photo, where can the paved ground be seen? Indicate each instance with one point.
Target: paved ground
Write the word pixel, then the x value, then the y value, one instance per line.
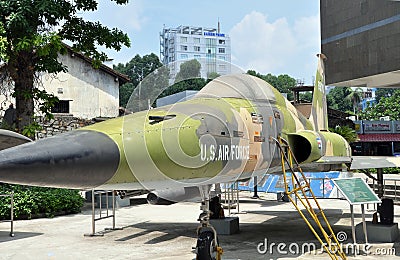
pixel 168 232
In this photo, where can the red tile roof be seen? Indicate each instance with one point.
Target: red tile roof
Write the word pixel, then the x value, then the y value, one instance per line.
pixel 379 137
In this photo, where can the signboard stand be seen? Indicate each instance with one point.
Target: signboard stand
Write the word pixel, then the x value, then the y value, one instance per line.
pixel 364 224
pixel 356 192
pixel 353 227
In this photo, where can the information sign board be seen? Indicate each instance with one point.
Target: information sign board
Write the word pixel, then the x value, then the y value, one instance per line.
pixel 356 191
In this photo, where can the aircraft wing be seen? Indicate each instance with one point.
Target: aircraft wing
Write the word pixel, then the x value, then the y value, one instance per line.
pixel 10 139
pixel 334 160
pixel 371 162
pixel 362 162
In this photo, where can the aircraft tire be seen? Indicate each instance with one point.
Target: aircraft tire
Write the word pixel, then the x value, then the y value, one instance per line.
pixel 204 246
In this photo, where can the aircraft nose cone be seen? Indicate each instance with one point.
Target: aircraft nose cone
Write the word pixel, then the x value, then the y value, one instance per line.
pixel 80 159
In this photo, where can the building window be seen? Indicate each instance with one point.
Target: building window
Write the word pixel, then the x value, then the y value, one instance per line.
pixel 62 106
pixel 196 48
pixel 171 50
pixel 183 47
pixel 196 40
pixel 211 50
pixel 211 41
pixel 184 39
pixel 221 41
pixel 221 57
pixel 221 50
pixel 197 57
pixel 184 56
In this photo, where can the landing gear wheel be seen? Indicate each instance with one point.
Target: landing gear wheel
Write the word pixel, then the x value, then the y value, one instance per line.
pixel 206 246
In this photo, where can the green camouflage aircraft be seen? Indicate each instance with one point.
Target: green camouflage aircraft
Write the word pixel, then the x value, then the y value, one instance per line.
pixel 221 135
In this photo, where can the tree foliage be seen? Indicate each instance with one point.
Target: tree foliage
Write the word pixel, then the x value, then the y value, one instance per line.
pixel 31 38
pixel 355 96
pixel 383 92
pixel 346 132
pixel 283 83
pixel 188 78
pixel 387 106
pixel 306 96
pixel 31 202
pixel 336 99
pixel 137 69
pixel 188 70
pixel 212 75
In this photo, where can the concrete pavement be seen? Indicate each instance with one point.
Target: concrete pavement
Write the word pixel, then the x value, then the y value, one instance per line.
pixel 168 232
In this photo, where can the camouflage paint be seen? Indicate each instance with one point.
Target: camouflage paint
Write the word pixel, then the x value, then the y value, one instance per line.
pixel 219 136
pixel 319 110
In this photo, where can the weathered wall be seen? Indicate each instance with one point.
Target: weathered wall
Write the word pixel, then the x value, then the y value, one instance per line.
pixel 61 124
pixel 93 93
pixel 359 38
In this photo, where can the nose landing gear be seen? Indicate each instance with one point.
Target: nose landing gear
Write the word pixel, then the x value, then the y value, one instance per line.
pixel 207 246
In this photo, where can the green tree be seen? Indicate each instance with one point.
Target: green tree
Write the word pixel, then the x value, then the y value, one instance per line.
pixel 346 132
pixel 283 83
pixel 336 99
pixel 355 96
pixel 137 69
pixel 387 106
pixel 31 35
pixel 212 75
pixel 383 92
pixel 188 78
pixel 188 70
pixel 306 96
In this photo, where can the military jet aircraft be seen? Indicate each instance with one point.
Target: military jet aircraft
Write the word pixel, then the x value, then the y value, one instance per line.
pixel 223 134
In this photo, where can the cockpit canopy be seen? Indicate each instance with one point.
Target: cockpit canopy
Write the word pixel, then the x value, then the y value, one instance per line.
pixel 238 86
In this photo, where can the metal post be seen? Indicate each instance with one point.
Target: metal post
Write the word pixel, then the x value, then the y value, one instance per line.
pixel 225 193
pixel 107 202
pixel 100 203
pixel 93 214
pixel 364 224
pixel 392 148
pixel 113 208
pixel 366 181
pixel 353 229
pixel 229 199
pixel 380 182
pixel 237 196
pixel 255 195
pixel 12 214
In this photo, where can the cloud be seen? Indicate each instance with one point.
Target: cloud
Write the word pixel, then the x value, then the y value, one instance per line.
pixel 273 47
pixel 127 17
pixel 307 31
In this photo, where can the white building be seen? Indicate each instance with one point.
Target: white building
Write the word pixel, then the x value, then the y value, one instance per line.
pixel 208 45
pixel 84 92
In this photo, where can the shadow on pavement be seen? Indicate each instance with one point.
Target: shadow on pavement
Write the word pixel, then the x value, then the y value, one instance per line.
pixel 5 235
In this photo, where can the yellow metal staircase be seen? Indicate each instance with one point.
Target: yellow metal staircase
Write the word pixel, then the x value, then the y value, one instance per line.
pixel 300 190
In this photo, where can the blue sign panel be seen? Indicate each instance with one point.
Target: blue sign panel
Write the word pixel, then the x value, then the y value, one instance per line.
pixel 214 34
pixel 321 183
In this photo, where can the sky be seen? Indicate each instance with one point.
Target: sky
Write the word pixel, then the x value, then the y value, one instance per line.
pixel 268 36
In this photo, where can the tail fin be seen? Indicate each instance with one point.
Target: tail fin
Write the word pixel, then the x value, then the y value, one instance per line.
pixel 319 111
